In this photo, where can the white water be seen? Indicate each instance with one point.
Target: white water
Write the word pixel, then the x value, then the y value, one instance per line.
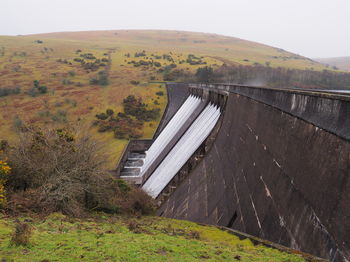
pixel 174 125
pixel 182 151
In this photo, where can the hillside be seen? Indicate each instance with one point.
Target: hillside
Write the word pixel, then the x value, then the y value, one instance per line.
pixel 225 49
pixel 59 238
pixel 343 63
pixel 73 76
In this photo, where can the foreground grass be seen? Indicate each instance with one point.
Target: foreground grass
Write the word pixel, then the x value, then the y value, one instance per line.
pixel 58 238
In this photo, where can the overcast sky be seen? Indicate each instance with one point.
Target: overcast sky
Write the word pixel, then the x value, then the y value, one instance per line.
pixel 313 28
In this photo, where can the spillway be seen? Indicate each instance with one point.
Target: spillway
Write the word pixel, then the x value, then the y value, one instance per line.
pixel 170 130
pixel 175 128
pixel 182 151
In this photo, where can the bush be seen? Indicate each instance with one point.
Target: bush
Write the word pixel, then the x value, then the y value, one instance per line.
pixel 138 54
pixel 44 113
pixel 42 89
pixel 60 116
pixel 21 235
pixel 109 112
pixel 9 91
pixel 93 81
pixel 71 73
pixel 160 93
pixel 139 203
pixel 32 92
pixel 37 89
pixel 176 74
pixel 135 107
pixel 102 78
pixel 89 56
pixel 54 170
pixel 204 74
pixel 102 116
pixel 18 123
pixel 4 173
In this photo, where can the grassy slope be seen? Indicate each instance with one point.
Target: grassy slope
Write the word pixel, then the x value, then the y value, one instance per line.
pixel 230 49
pixel 40 63
pixel 342 63
pixel 108 239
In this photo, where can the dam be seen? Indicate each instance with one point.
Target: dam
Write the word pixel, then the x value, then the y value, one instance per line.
pixel 270 162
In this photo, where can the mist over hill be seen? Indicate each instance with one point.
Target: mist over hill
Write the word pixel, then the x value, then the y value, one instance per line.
pixel 343 63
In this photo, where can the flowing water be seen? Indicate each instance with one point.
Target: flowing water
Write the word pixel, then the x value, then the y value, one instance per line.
pixel 170 131
pixel 182 151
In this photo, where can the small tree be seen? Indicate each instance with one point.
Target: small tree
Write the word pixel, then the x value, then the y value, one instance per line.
pixel 109 112
pixel 204 74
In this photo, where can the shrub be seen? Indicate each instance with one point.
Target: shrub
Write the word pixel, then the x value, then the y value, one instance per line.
pixel 4 173
pixel 103 128
pixel 89 56
pixel 160 93
pixel 55 170
pixel 60 116
pixel 109 112
pixel 138 54
pixel 102 78
pixel 9 91
pixel 3 145
pixel 93 81
pixel 67 82
pixel 37 89
pixel 44 114
pixel 102 116
pixel 133 82
pixel 42 89
pixel 18 123
pixel 205 74
pixel 177 74
pixel 32 92
pixel 139 203
pixel 135 107
pixel 21 235
pixel 71 73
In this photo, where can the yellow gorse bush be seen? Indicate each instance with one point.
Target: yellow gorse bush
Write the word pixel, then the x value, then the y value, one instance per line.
pixel 5 170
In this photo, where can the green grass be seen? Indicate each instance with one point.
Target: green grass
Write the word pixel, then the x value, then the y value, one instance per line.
pixel 58 238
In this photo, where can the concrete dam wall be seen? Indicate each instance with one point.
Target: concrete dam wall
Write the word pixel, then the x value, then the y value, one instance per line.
pixel 276 165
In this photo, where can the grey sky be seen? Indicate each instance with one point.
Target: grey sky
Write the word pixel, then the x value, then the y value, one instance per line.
pixel 314 28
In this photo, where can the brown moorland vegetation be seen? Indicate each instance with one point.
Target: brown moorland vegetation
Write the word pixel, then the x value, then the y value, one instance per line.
pixel 70 77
